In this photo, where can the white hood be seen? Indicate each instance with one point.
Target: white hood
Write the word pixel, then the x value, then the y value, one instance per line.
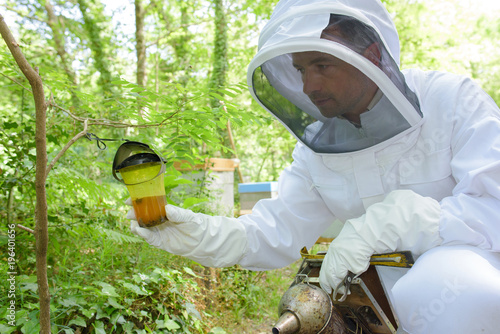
pixel 297 26
pixel 372 12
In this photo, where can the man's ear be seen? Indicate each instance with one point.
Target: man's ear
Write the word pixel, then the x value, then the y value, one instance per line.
pixel 373 54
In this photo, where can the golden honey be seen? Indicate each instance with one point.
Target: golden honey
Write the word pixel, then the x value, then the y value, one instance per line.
pixel 150 211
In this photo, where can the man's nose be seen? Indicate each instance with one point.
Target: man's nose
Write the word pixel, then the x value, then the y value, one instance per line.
pixel 311 83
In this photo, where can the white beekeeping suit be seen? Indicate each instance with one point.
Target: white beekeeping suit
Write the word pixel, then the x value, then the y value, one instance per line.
pixel 418 170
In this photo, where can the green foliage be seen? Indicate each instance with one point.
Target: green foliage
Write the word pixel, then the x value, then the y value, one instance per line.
pixel 242 294
pixel 123 294
pixel 430 40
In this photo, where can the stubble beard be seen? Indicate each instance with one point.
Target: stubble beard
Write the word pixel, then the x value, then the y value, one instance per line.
pixel 331 107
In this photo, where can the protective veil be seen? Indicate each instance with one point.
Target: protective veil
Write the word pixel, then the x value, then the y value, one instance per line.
pixel 350 37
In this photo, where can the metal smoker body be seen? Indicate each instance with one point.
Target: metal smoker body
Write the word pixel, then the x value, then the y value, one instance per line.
pixel 306 309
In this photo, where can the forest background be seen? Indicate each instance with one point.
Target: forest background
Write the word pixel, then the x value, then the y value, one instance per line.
pixel 173 74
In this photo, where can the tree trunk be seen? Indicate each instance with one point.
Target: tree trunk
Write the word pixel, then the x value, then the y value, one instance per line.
pixel 140 13
pixel 54 24
pixel 97 45
pixel 41 227
pixel 218 77
pixel 219 66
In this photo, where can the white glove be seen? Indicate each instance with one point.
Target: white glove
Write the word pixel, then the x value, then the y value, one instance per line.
pixel 212 241
pixel 403 221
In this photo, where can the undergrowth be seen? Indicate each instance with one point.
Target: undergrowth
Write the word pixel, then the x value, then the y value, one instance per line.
pixel 105 280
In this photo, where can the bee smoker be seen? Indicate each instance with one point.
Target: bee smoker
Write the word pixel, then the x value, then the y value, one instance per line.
pixel 306 309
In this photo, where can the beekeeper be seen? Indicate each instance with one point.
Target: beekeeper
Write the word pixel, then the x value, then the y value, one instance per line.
pixel 409 160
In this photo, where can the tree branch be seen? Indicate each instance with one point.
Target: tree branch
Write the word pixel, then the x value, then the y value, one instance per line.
pixel 110 123
pixel 27 229
pixel 16 82
pixel 66 147
pixel 22 14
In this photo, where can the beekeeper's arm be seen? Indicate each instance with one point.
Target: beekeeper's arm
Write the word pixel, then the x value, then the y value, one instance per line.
pixel 470 216
pixel 404 220
pixel 271 237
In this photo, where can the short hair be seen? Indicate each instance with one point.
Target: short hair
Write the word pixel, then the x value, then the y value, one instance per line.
pixel 352 32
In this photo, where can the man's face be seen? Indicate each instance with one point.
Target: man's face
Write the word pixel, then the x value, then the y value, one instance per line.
pixel 334 86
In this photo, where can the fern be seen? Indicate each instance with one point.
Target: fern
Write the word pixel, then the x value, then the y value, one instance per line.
pixel 118 237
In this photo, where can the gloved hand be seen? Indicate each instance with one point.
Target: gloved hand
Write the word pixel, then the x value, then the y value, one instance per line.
pixel 212 241
pixel 403 221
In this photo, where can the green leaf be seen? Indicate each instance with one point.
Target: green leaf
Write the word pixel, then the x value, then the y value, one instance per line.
pixel 120 237
pixel 3 241
pixel 230 93
pixel 100 314
pixel 8 126
pixel 217 96
pixel 160 324
pixel 190 272
pixel 191 201
pixel 107 289
pixel 78 321
pixel 191 309
pixel 119 82
pixel 68 302
pixel 117 318
pixel 173 180
pixel 29 286
pixel 6 329
pixel 134 288
pixel 217 330
pixel 88 313
pixel 99 327
pixel 31 327
pixel 171 325
pixel 112 301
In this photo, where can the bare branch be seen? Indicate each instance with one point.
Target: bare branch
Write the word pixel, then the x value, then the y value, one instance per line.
pixel 25 228
pixel 22 14
pixel 127 125
pixel 70 114
pixel 111 123
pixel 16 82
pixel 66 147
